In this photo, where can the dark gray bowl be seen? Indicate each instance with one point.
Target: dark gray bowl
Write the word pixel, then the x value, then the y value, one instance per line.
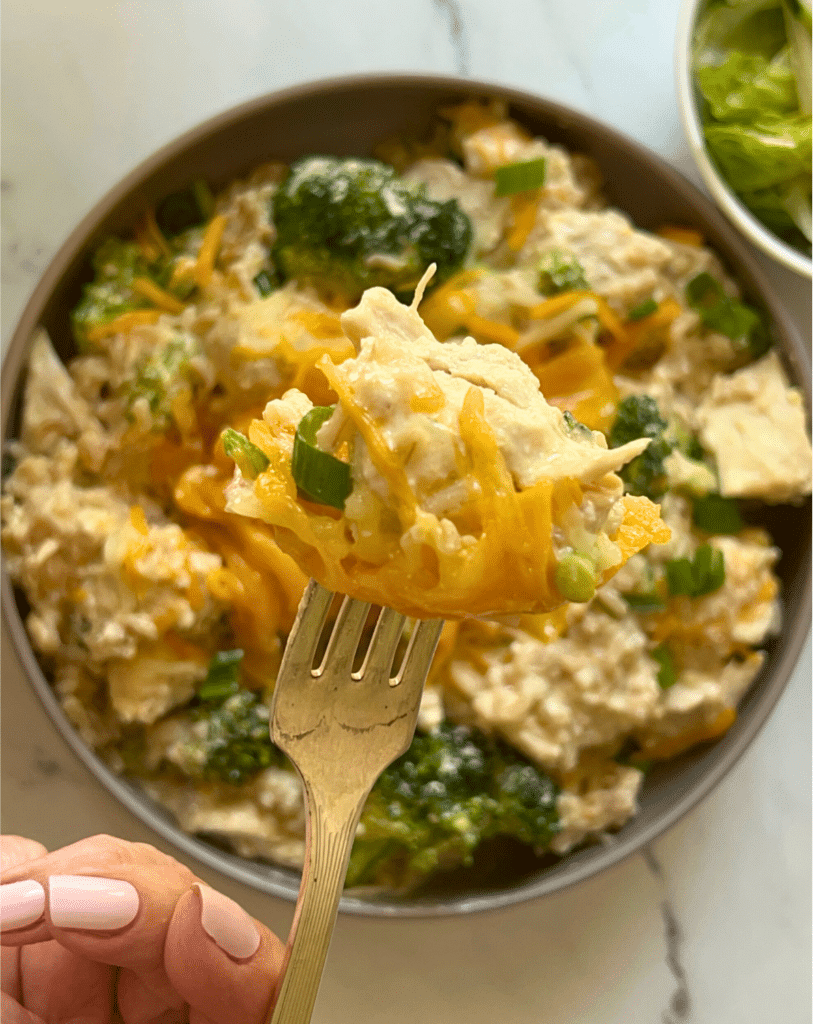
pixel 348 116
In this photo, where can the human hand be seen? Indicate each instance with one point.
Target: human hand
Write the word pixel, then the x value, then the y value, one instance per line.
pixel 105 925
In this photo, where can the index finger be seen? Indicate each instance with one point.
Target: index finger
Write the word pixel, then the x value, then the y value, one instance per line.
pixel 100 893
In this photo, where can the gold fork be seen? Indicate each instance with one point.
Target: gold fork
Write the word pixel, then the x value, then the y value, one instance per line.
pixel 340 728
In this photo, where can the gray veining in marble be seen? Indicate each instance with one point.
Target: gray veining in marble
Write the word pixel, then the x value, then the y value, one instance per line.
pixel 451 11
pixel 709 926
pixel 679 1008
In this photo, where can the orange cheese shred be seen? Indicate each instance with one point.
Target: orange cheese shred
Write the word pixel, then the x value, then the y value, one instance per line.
pixel 149 238
pixel 524 214
pixel 445 309
pixel 122 323
pixel 209 250
pixel 687 236
pixel 647 337
pixel 485 330
pixel 158 296
pixel 577 381
pixel 558 304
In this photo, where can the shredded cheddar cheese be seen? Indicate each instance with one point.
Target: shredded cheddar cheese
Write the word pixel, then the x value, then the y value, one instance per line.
pixel 123 323
pixel 209 250
pixel 577 381
pixel 491 330
pixel 158 296
pixel 524 209
pixel 262 585
pixel 150 239
pixel 686 236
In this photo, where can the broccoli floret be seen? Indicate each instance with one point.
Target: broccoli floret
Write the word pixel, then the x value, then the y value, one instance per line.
pixel 526 804
pixel 231 728
pixel 349 224
pixel 731 317
pixel 560 272
pixel 116 263
pixel 433 806
pixel 162 378
pixel 638 416
pixel 236 744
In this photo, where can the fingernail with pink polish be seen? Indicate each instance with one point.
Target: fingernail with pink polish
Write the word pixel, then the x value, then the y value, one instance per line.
pixel 230 927
pixel 84 901
pixel 21 903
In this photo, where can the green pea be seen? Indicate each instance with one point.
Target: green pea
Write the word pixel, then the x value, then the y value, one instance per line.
pixel 575 577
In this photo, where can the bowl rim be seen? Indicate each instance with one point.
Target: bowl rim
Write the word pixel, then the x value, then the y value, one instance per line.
pixel 723 196
pixel 571 871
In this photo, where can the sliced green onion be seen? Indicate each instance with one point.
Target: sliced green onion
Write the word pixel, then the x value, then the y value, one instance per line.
pixel 709 569
pixel 250 459
pixel 222 680
pixel 321 476
pixel 679 575
pixel 520 177
pixel 644 309
pixel 697 576
pixel 575 577
pixel 667 674
pixel 204 198
pixel 264 283
pixel 645 603
pixel 714 514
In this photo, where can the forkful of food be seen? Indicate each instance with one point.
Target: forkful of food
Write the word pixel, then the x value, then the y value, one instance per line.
pixel 441 485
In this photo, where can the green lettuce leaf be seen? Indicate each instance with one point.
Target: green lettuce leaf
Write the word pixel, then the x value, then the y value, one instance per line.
pixel 785 209
pixel 746 83
pixel 751 64
pixel 751 26
pixel 761 155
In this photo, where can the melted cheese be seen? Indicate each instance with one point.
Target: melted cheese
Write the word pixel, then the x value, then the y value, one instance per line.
pixel 260 582
pixel 447 516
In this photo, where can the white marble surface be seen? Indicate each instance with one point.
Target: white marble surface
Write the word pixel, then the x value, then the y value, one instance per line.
pixel 711 925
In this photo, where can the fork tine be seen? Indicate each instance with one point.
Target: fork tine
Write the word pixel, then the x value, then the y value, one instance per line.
pixel 419 654
pixel 383 644
pixel 345 637
pixel 306 632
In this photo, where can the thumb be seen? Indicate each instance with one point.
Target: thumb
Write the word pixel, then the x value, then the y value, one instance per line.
pixel 220 960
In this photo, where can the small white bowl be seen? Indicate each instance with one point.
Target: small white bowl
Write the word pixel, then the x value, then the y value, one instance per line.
pixel 727 201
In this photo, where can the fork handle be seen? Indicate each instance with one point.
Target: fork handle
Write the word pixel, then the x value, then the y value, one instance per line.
pixel 329 841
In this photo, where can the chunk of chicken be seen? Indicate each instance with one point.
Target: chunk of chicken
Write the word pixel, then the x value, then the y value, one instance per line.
pixel 753 422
